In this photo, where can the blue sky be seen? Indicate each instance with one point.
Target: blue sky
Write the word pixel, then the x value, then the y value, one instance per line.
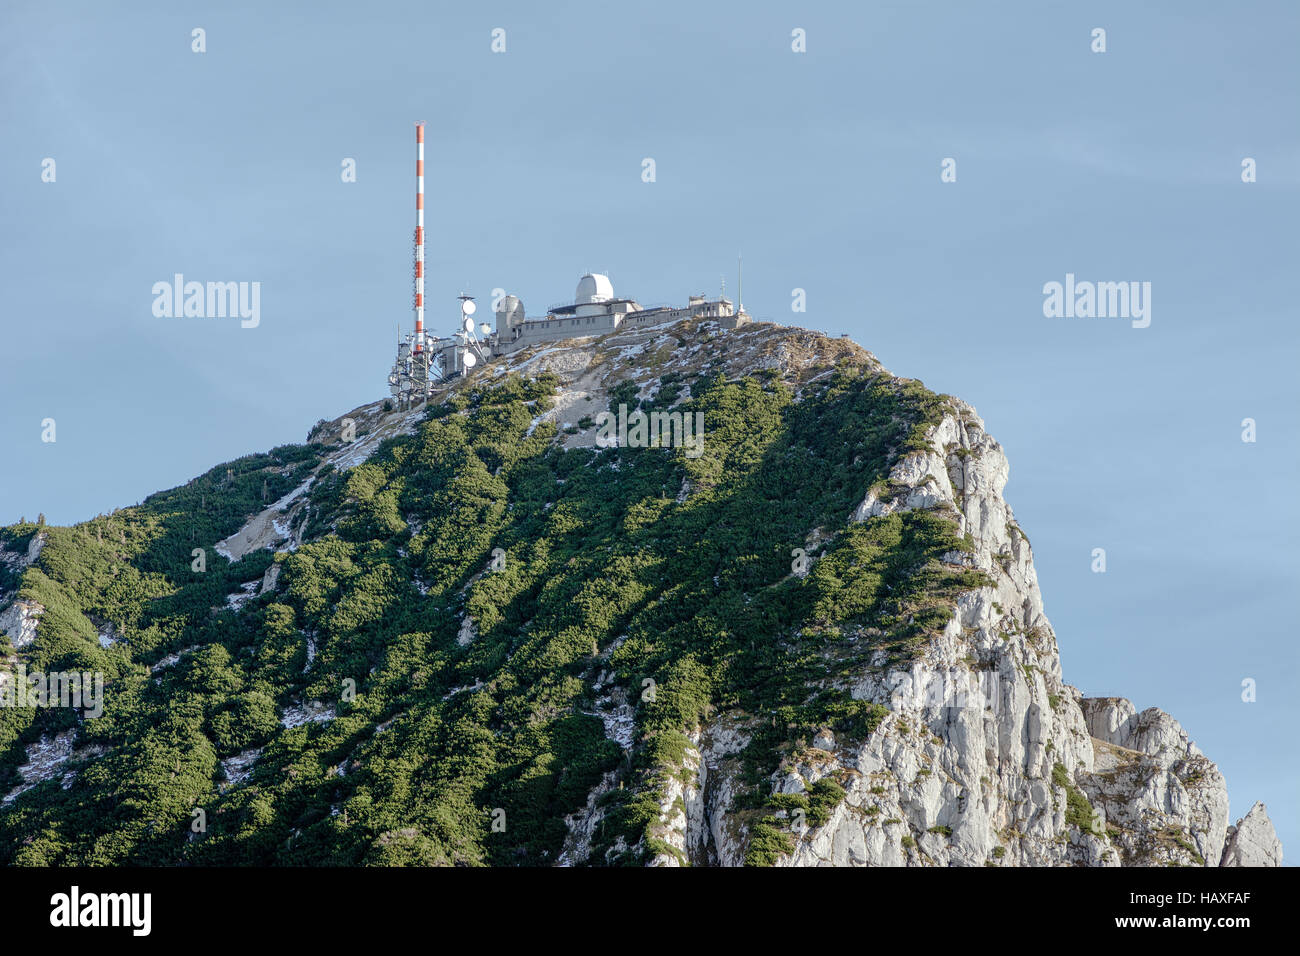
pixel 822 167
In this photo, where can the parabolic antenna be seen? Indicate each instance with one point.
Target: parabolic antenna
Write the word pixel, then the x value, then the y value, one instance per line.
pixel 468 307
pixel 469 325
pixel 485 329
pixel 470 360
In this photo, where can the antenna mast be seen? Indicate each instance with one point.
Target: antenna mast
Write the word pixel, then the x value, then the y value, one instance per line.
pixel 419 238
pixel 740 293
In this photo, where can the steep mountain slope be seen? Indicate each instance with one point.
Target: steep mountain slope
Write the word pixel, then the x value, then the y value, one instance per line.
pixel 469 634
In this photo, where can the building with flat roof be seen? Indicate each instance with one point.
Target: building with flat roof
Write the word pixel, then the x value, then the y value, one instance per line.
pixel 596 310
pixel 423 360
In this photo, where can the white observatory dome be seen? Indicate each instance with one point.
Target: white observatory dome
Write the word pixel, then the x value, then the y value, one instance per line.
pixel 510 317
pixel 593 288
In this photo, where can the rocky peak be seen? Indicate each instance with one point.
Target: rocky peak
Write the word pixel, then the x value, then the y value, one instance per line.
pixel 986 756
pixel 1253 841
pixel 950 736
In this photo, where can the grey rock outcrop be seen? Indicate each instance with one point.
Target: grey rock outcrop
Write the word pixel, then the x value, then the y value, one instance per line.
pixel 1163 801
pixel 19 560
pixel 19 622
pixel 986 756
pixel 963 770
pixel 1253 841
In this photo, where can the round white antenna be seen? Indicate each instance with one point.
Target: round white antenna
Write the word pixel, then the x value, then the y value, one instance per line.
pixel 485 328
pixel 469 325
pixel 468 307
pixel 470 360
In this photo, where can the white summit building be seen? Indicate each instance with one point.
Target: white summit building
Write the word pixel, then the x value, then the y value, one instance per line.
pixel 424 359
pixel 596 310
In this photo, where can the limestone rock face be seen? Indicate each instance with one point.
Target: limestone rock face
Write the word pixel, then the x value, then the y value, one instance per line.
pixel 270 579
pixel 682 810
pixel 1152 732
pixel 34 548
pixel 961 772
pixel 19 560
pixel 1110 719
pixel 1158 811
pixel 468 631
pixel 19 621
pixel 1253 842
pixel 986 758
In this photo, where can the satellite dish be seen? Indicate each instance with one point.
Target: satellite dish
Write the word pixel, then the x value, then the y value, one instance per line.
pixel 468 307
pixel 469 325
pixel 485 328
pixel 470 360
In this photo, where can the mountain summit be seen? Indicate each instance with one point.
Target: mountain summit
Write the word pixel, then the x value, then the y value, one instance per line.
pixel 533 622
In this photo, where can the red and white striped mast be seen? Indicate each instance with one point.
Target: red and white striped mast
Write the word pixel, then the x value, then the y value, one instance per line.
pixel 419 238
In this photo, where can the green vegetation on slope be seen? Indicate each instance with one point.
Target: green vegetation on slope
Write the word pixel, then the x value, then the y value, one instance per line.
pixel 443 753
